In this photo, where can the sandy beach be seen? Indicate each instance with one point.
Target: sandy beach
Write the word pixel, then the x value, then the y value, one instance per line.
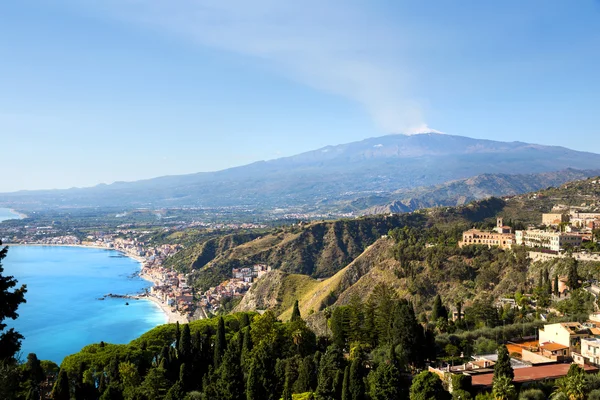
pixel 173 317
pixel 20 214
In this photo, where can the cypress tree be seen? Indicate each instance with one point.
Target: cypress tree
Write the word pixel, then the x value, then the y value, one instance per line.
pixel 184 349
pixel 572 275
pixel 220 343
pixel 252 384
pixel 177 334
pixel 503 367
pixel 438 311
pixel 230 377
pixel 306 376
pixel 184 377
pixel 346 395
pixel 357 384
pixel 328 380
pixel 246 348
pixel 295 313
pixel 287 386
pixel 407 332
pixel 61 390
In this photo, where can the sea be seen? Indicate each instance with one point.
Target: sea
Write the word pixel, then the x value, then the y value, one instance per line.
pixel 63 312
pixel 6 213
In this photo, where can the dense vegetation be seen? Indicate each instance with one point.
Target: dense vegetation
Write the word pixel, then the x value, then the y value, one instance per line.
pixel 317 249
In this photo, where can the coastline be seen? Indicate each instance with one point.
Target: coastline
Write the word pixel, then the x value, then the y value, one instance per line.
pixel 172 317
pixel 20 214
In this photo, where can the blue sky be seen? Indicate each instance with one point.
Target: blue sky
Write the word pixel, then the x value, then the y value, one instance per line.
pixel 97 91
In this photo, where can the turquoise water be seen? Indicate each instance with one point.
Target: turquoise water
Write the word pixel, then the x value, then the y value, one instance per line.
pixel 62 313
pixel 5 214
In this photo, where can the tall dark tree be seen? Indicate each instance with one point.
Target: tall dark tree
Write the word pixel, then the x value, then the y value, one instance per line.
pixel 185 377
pixel 385 380
pixel 230 380
pixel 84 389
pixel 253 389
pixel 177 334
pixel 547 282
pixel 307 376
pixel 10 341
pixel 287 386
pixel 295 312
pixel 357 383
pixel 338 323
pixel 346 395
pixel 407 332
pixel 220 343
pixel 332 363
pixel 572 275
pixel 61 390
pixel 33 371
pixel 184 349
pixel 556 291
pixel 503 367
pixel 246 348
pixel 438 311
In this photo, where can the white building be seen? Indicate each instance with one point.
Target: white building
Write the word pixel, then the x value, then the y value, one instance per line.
pixel 549 240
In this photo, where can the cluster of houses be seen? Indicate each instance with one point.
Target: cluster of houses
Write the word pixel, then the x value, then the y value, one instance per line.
pixel 236 287
pixel 170 288
pixel 562 230
pixel 549 357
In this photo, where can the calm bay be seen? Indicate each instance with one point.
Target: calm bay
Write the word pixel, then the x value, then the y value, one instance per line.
pixel 63 313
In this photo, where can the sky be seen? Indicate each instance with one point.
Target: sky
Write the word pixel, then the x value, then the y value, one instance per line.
pixel 97 91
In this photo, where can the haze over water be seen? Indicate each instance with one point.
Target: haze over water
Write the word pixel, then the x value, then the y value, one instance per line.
pixel 63 313
pixel 6 213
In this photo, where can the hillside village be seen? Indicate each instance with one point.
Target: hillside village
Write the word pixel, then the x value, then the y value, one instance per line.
pixel 547 357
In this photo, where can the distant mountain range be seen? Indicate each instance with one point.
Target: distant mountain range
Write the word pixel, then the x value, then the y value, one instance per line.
pixel 387 168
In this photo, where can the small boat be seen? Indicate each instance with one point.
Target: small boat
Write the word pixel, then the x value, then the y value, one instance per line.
pixel 126 304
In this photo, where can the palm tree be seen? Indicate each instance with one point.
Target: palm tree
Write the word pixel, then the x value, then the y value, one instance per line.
pixel 503 389
pixel 571 387
pixel 297 338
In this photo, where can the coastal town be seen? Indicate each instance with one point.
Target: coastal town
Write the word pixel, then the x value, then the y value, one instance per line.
pixel 170 290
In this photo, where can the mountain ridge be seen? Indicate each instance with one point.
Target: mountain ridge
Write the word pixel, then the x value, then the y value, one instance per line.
pixel 386 163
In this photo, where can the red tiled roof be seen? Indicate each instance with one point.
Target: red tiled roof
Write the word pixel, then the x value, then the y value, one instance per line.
pixel 530 374
pixel 553 346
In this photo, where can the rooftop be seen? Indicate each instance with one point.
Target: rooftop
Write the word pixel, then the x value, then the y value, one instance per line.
pixel 531 374
pixel 551 346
